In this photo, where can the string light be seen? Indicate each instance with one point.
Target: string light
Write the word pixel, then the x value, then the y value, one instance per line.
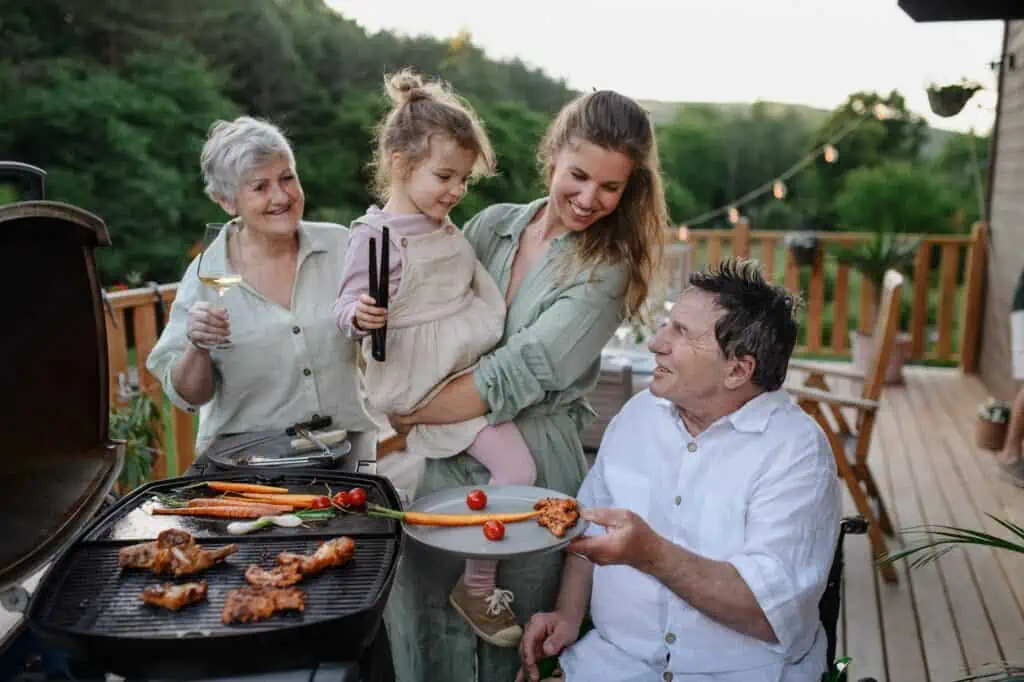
pixel 684 233
pixel 828 149
pixel 779 189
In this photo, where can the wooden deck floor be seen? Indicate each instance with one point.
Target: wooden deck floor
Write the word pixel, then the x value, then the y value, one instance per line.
pixel 962 614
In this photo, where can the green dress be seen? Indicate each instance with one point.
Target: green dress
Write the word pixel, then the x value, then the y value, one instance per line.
pixel 547 361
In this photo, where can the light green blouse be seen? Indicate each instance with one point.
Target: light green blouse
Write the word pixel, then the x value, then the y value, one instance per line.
pixel 548 360
pixel 287 364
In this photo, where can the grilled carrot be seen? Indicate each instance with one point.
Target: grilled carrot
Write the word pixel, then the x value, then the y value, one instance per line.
pixel 234 502
pixel 221 512
pixel 223 487
pixel 449 520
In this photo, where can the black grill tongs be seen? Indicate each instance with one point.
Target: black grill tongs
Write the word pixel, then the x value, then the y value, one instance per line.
pixel 379 290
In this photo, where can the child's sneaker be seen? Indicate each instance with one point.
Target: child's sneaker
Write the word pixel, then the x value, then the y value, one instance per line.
pixel 491 617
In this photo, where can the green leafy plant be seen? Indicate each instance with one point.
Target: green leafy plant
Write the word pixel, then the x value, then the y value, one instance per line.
pixel 873 257
pixel 137 424
pixel 941 539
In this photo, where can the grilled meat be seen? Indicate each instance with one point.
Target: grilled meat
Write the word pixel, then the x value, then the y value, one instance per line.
pixel 336 552
pixel 252 604
pixel 284 575
pixel 557 514
pixel 173 552
pixel 173 597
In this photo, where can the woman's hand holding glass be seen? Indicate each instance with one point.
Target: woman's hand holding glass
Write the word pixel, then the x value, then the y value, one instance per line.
pixel 208 326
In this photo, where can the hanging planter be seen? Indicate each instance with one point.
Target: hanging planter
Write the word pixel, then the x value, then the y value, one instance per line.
pixel 803 246
pixel 949 100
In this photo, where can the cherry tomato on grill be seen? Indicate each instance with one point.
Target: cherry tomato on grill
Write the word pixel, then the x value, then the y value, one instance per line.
pixel 494 530
pixel 476 499
pixel 341 499
pixel 357 497
pixel 321 502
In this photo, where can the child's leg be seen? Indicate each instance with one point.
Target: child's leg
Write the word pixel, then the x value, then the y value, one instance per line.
pixel 503 451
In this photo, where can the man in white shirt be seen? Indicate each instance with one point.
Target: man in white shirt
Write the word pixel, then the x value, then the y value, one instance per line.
pixel 713 506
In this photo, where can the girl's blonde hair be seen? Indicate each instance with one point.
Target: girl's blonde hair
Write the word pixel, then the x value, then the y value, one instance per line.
pixel 634 233
pixel 420 111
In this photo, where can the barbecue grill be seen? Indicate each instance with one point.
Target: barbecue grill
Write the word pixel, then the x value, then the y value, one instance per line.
pixel 58 466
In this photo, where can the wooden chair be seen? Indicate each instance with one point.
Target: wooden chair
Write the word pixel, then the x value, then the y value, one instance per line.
pixel 613 391
pixel 851 442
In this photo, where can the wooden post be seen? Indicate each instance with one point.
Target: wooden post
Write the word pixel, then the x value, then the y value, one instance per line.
pixel 974 298
pixel 816 302
pixel 741 238
pixel 919 310
pixel 947 298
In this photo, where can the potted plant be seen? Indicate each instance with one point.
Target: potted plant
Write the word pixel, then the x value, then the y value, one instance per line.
pixel 137 424
pixel 803 245
pixel 949 100
pixel 993 419
pixel 872 258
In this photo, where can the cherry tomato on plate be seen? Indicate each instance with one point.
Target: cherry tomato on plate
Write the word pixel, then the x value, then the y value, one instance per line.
pixel 494 530
pixel 322 502
pixel 357 497
pixel 341 499
pixel 476 499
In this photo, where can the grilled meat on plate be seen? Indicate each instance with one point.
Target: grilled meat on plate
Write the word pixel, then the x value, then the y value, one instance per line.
pixel 251 604
pixel 174 552
pixel 557 514
pixel 173 597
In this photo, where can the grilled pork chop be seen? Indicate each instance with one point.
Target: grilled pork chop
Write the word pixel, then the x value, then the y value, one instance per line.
pixel 174 552
pixel 336 552
pixel 251 604
pixel 557 514
pixel 173 597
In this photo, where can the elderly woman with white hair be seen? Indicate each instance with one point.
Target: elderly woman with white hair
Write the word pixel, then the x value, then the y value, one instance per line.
pixel 287 362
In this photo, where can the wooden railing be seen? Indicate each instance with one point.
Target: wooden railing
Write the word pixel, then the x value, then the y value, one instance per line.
pixel 947 281
pixel 836 298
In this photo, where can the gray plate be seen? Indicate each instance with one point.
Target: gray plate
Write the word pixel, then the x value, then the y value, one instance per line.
pixel 525 537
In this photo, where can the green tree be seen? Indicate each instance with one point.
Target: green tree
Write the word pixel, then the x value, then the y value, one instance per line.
pixel 895 197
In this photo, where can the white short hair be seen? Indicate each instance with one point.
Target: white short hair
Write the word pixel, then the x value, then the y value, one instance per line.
pixel 233 149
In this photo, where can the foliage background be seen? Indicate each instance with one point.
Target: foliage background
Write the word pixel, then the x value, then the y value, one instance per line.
pixel 113 98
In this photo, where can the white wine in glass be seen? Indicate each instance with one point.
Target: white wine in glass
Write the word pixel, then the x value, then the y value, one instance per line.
pixel 216 272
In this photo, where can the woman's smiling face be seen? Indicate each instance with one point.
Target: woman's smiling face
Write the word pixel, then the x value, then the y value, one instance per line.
pixel 587 183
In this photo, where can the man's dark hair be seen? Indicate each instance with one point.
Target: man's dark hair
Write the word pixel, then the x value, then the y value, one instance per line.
pixel 759 319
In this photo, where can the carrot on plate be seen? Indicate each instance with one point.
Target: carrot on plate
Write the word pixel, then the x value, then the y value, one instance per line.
pixel 450 520
pixel 226 487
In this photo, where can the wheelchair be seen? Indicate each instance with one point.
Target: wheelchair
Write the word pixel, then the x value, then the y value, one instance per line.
pixel 828 606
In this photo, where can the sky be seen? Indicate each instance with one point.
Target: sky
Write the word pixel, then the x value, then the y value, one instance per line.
pixel 812 52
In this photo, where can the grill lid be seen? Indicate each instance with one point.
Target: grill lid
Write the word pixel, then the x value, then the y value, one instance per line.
pixel 56 463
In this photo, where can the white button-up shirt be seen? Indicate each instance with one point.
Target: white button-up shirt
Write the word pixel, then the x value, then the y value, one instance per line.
pixel 758 489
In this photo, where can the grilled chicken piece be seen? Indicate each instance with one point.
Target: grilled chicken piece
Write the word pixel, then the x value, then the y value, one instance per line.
pixel 334 552
pixel 173 597
pixel 557 514
pixel 284 575
pixel 251 604
pixel 174 552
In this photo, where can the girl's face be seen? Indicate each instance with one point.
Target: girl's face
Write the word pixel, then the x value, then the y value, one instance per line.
pixel 270 200
pixel 587 183
pixel 437 183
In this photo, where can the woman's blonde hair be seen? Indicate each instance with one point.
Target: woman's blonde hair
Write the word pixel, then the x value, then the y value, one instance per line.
pixel 420 111
pixel 634 233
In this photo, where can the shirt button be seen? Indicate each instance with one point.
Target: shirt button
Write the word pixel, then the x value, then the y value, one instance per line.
pixel 691 446
pixel 296 329
pixel 307 371
pixel 679 500
pixel 670 638
pixel 667 677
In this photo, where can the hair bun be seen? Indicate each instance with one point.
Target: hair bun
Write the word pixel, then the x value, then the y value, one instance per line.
pixel 406 87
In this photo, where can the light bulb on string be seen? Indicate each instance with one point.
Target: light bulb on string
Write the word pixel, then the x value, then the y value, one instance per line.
pixel 858 106
pixel 779 189
pixel 684 233
pixel 831 154
pixel 880 111
pixel 734 215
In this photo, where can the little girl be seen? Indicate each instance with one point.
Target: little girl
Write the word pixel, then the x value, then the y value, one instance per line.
pixel 444 310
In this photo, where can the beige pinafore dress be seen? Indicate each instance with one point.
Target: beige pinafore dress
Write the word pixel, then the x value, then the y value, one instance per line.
pixel 446 313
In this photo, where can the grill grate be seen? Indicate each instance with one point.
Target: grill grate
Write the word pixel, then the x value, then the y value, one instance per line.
pixel 97 598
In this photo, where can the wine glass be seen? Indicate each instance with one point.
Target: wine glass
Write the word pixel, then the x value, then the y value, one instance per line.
pixel 216 272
